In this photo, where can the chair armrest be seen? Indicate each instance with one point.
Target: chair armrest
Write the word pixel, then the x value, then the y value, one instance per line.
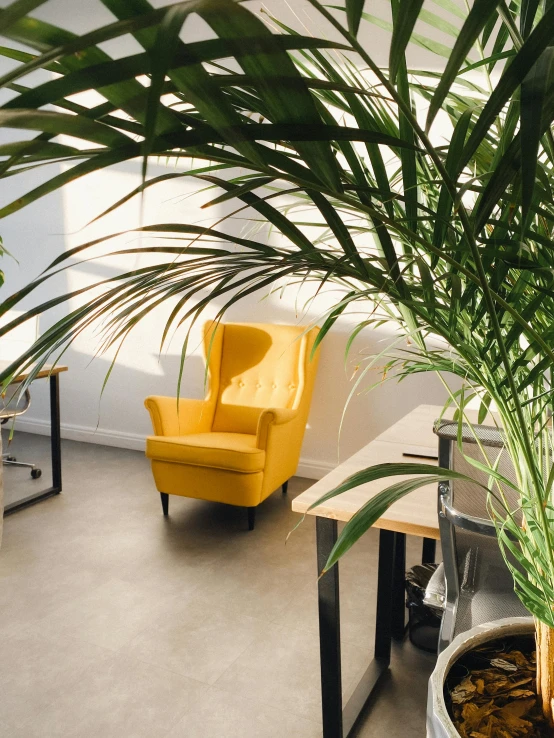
pixel 172 419
pixel 270 418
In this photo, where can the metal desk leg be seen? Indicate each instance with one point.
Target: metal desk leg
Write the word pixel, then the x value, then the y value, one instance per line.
pixel 385 587
pixel 399 591
pixel 56 453
pixel 55 433
pixel 329 631
pixel 429 551
pixel 338 723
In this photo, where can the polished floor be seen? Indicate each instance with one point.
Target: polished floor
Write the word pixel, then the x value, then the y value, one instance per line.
pixel 116 622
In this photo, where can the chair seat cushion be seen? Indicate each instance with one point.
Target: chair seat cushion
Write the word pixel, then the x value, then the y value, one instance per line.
pixel 231 451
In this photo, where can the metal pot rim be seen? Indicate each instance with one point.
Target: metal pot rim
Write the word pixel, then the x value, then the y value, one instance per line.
pixel 460 645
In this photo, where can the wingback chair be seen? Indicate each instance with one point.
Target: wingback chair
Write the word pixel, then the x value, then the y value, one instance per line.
pixel 243 441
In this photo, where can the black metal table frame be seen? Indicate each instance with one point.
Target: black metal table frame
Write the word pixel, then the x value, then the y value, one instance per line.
pixel 55 450
pixel 390 623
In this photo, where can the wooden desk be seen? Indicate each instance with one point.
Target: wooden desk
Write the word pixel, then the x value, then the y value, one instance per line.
pixel 46 371
pixel 415 514
pixel 52 374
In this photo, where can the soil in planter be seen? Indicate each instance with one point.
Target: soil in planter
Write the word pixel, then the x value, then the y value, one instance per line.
pixel 490 691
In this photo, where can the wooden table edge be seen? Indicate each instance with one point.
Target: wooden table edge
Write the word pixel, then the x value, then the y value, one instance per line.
pixel 384 523
pixel 43 374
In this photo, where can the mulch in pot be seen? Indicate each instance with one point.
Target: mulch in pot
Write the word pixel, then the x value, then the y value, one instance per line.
pixel 491 692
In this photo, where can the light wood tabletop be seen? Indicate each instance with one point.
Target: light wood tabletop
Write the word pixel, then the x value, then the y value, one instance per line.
pixel 46 371
pixel 415 514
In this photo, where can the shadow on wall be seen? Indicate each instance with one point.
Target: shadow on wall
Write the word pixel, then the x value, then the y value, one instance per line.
pixel 45 229
pixel 117 416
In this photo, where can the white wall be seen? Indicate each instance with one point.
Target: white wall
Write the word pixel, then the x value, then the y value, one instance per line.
pixel 40 232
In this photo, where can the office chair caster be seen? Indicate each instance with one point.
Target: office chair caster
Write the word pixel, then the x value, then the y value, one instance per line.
pixel 36 473
pixel 11 458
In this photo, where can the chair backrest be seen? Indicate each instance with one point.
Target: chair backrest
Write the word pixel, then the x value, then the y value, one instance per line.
pixel 479 585
pixel 255 366
pixel 467 497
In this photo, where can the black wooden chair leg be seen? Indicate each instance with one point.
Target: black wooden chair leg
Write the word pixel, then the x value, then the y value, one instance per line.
pixel 251 517
pixel 165 503
pixel 285 487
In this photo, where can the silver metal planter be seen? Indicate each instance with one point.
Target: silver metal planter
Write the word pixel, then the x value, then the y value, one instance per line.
pixel 439 724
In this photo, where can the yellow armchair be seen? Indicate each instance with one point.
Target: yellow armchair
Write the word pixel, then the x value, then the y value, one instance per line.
pixel 243 441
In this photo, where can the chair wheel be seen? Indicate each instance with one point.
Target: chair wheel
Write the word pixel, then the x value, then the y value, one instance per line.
pixel 11 458
pixel 36 473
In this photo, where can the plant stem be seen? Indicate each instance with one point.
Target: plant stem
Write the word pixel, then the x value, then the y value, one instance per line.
pixel 545 669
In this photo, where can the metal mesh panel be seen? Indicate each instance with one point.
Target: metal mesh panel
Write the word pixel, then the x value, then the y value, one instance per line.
pixel 467 497
pixel 486 434
pixel 486 585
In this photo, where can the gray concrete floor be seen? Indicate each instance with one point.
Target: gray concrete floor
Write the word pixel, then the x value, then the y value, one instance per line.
pixel 117 622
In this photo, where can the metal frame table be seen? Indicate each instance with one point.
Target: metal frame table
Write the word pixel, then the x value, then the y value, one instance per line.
pixel 53 376
pixel 416 515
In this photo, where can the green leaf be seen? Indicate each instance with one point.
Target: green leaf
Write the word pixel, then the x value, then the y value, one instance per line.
pixel 480 12
pixel 514 74
pixel 71 44
pixel 291 103
pixel 382 471
pixel 528 12
pixel 16 10
pixel 193 139
pixel 436 21
pixel 71 125
pixel 354 9
pixel 251 184
pixel 534 88
pixel 194 81
pixel 337 226
pixel 445 203
pixel 96 76
pixel 403 25
pixel 181 229
pixel 329 323
pixel 162 57
pixel 70 53
pixel 425 43
pixel 451 7
pixel 273 215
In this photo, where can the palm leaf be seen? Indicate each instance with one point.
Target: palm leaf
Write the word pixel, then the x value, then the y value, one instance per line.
pixel 480 12
pixel 354 10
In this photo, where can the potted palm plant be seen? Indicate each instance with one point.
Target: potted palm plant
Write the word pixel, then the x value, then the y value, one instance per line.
pixel 428 192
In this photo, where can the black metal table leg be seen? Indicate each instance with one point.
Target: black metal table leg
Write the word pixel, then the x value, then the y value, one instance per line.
pixel 398 589
pixel 429 551
pixel 385 585
pixel 338 723
pixel 329 631
pixel 55 449
pixel 55 432
pixel 383 633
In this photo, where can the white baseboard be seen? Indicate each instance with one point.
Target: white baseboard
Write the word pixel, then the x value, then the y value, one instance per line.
pixel 101 436
pixel 309 468
pixel 313 468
